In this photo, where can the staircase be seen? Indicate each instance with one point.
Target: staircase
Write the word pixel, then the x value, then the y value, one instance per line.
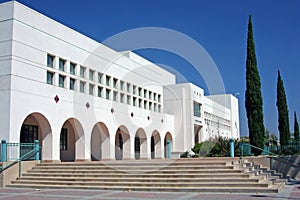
pixel 183 175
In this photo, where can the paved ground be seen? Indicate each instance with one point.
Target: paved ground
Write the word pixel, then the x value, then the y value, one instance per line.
pixel 291 191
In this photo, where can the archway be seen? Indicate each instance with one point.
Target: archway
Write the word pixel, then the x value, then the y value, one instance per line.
pixel 122 143
pixel 168 144
pixel 155 145
pixel 100 142
pixel 140 144
pixel 37 127
pixel 72 141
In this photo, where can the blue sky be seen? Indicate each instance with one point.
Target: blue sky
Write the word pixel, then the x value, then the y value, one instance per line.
pixel 219 26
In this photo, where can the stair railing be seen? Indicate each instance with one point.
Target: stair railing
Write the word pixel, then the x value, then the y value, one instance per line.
pixel 34 152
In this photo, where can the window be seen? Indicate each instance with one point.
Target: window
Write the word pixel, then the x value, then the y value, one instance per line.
pixel 115 82
pixel 91 89
pixel 122 85
pixel 150 95
pixel 134 101
pixel 140 92
pixel 62 64
pixel 50 60
pixel 100 89
pixel 122 98
pixel 91 75
pixel 128 87
pixel 61 81
pixel 108 80
pixel 159 108
pixel 128 99
pixel 145 93
pixel 197 109
pixel 100 75
pixel 82 71
pixel 145 104
pixel 64 139
pixel 72 68
pixel 158 98
pixel 134 89
pixel 154 96
pixel 82 84
pixel 140 103
pixel 50 76
pixel 29 133
pixel 150 105
pixel 115 96
pixel 154 106
pixel 107 93
pixel 72 84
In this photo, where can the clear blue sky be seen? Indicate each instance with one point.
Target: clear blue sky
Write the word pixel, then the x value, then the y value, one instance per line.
pixel 219 26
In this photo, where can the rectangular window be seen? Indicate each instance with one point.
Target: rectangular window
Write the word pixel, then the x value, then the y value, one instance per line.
pixel 158 98
pixel 82 84
pixel 150 105
pixel 29 133
pixel 154 107
pixel 50 76
pixel 72 84
pixel 140 92
pixel 107 94
pixel 128 99
pixel 159 108
pixel 150 95
pixel 50 60
pixel 61 65
pixel 134 101
pixel 100 89
pixel 154 96
pixel 122 98
pixel 134 89
pixel 140 103
pixel 115 82
pixel 122 85
pixel 91 75
pixel 145 93
pixel 115 96
pixel 61 81
pixel 145 105
pixel 100 75
pixel 64 139
pixel 72 68
pixel 82 71
pixel 108 80
pixel 128 87
pixel 197 109
pixel 91 89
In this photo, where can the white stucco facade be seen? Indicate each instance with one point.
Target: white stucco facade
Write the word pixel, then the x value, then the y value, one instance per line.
pixel 86 101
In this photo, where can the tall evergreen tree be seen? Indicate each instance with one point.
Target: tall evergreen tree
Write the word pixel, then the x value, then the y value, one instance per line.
pixel 296 127
pixel 283 113
pixel 254 102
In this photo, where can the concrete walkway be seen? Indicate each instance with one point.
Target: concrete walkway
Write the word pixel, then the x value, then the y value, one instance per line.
pixel 291 191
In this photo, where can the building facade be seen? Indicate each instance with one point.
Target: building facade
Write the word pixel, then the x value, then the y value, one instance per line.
pixel 85 101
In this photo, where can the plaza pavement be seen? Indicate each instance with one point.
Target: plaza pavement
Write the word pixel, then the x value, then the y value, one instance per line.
pixel 291 191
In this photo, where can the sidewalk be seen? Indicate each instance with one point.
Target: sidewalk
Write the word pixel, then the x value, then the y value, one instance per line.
pixel 291 191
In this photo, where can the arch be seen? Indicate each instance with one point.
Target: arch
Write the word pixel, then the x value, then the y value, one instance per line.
pixel 168 144
pixel 100 142
pixel 155 145
pixel 72 141
pixel 37 127
pixel 122 143
pixel 140 144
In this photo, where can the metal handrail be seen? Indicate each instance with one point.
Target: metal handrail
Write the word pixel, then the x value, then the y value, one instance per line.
pixel 33 151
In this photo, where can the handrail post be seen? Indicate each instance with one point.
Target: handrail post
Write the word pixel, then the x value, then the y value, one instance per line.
pixel 4 151
pixel 231 148
pixel 36 146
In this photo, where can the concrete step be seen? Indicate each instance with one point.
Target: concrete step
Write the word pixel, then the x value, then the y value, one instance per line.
pixel 161 189
pixel 140 179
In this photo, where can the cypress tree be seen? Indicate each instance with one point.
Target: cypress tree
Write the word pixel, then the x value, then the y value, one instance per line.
pixel 283 113
pixel 296 127
pixel 254 102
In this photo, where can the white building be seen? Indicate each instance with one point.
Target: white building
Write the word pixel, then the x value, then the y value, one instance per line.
pixel 83 100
